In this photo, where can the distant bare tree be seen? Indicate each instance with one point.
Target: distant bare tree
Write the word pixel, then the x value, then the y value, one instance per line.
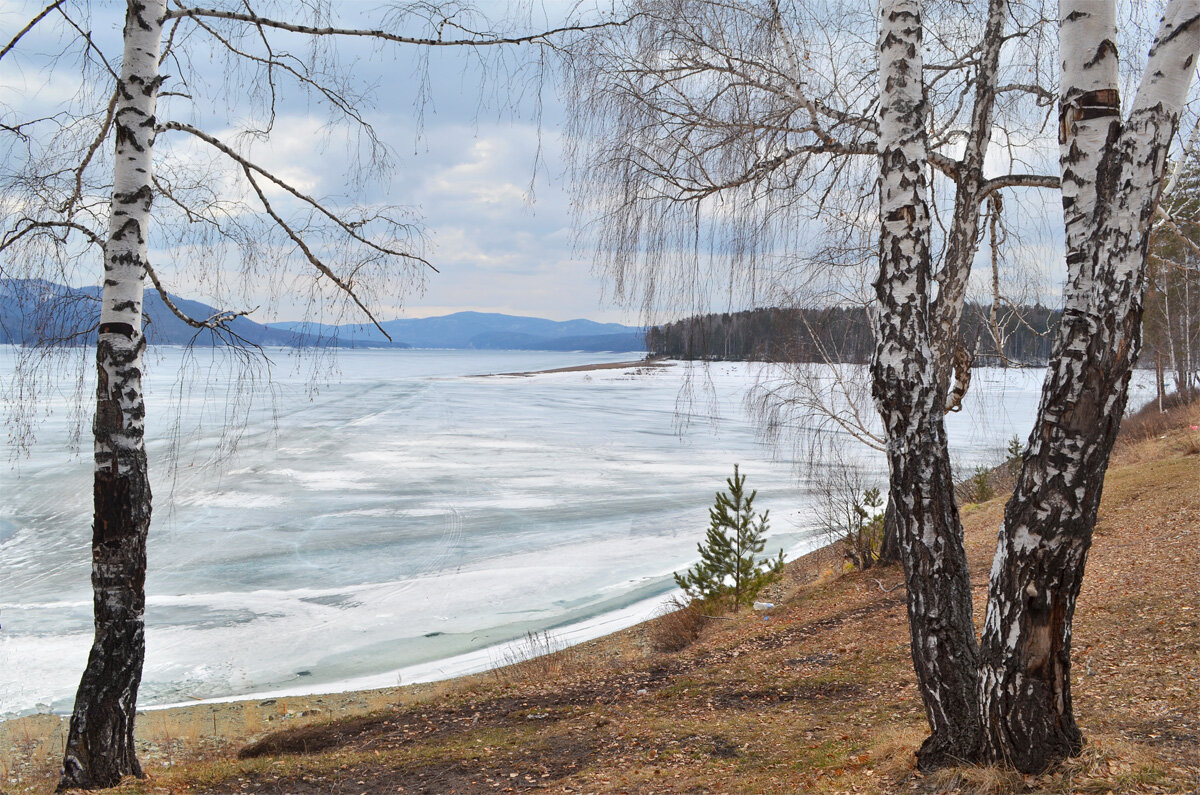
pixel 1173 300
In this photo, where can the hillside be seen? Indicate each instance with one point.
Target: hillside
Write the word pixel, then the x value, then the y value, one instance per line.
pixel 843 334
pixel 35 310
pixel 819 696
pixel 486 330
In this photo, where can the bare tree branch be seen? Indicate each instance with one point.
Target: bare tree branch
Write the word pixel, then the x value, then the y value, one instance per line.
pixel 217 321
pixel 28 226
pixel 542 37
pixel 32 24
pixel 316 262
pixel 352 229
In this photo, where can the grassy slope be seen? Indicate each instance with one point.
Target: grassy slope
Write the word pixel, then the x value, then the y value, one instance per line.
pixel 819 698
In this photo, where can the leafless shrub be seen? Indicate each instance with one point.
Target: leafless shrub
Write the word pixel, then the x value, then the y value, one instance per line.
pixel 851 513
pixel 1150 422
pixel 1191 444
pixel 979 486
pixel 539 655
pixel 677 625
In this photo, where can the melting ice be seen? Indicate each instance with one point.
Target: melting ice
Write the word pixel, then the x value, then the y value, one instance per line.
pixel 400 522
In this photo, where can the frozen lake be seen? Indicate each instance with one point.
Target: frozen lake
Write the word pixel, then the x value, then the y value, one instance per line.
pixel 403 520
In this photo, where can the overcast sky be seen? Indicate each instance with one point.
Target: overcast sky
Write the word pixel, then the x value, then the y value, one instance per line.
pixel 478 163
pixel 465 165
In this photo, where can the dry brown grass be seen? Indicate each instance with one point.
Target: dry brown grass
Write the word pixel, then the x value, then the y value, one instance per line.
pixel 1149 422
pixel 539 656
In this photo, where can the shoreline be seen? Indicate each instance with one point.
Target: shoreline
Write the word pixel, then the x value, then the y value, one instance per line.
pixel 33 743
pixel 569 634
pixel 654 364
pixel 641 604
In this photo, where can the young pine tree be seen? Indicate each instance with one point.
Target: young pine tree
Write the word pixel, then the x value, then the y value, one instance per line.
pixel 728 567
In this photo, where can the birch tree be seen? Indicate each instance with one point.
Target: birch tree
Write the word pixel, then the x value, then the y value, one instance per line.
pixel 1112 176
pixel 910 397
pixel 63 195
pixel 1007 698
pixel 1020 712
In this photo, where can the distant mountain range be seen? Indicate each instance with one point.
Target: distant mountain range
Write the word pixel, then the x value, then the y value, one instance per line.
pixel 36 310
pixel 482 330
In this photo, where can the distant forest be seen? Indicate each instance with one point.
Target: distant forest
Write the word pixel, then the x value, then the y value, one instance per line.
pixel 841 334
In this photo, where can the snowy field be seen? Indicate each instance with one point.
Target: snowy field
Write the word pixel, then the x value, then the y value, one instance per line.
pixel 405 518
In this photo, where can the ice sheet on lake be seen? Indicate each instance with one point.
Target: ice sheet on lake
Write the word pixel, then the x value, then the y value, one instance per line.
pixel 406 519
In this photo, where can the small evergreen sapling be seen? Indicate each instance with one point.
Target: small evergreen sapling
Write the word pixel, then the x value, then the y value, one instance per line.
pixel 863 535
pixel 728 567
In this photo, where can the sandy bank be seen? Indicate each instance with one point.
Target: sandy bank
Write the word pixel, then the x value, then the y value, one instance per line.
pixel 654 364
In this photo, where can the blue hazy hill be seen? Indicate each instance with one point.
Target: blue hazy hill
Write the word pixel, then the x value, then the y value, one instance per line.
pixel 37 311
pixel 40 311
pixel 484 330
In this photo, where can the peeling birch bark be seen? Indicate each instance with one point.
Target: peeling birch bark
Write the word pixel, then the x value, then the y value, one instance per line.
pixel 952 357
pixel 100 748
pixel 1112 178
pixel 906 391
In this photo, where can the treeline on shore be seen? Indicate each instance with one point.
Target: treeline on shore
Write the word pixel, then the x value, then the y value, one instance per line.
pixel 843 334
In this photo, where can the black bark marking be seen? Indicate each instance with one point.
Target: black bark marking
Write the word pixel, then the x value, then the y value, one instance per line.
pixel 124 329
pixel 1106 48
pixel 142 194
pixel 113 501
pixel 129 226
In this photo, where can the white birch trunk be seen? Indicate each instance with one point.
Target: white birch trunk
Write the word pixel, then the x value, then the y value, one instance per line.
pixel 1112 178
pixel 1089 122
pixel 905 386
pixel 100 748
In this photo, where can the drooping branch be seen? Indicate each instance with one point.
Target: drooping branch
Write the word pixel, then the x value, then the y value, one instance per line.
pixel 86 35
pixel 69 203
pixel 29 226
pixel 272 62
pixel 216 322
pixel 313 259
